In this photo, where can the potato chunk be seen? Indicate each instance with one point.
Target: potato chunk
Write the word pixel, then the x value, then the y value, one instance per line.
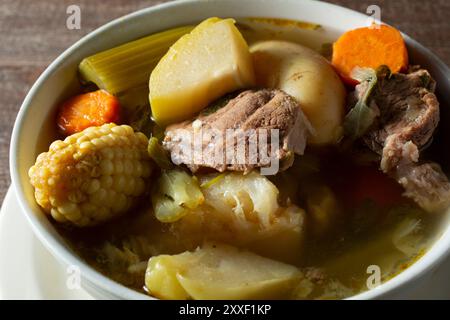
pixel 200 67
pixel 161 276
pixel 219 272
pixel 309 78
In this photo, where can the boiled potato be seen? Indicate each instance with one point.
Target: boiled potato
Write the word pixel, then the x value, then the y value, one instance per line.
pixel 200 67
pixel 161 277
pixel 309 78
pixel 218 271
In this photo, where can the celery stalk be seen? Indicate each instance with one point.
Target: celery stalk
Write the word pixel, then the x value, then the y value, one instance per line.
pixel 129 65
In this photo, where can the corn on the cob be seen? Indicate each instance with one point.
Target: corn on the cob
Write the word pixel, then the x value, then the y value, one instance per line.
pixel 92 176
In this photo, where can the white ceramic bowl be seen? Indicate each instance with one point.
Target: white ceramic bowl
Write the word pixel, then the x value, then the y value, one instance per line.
pixel 32 133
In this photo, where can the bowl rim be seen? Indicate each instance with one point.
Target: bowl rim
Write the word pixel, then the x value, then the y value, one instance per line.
pixel 94 279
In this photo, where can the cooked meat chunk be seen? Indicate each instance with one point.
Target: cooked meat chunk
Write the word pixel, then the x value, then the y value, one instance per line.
pixel 409 112
pixel 239 136
pixel 426 184
pixel 408 117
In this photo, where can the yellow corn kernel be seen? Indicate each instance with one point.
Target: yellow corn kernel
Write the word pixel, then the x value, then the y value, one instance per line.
pixel 92 176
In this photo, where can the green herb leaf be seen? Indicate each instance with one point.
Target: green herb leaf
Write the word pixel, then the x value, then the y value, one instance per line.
pixel 361 116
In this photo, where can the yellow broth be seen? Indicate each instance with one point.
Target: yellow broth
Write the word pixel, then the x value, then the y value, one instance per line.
pixel 361 237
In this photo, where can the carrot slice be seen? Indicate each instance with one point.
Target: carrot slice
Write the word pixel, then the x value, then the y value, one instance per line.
pixel 88 110
pixel 369 47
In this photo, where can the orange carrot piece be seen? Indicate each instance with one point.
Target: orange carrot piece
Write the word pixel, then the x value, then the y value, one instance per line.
pixel 369 47
pixel 88 110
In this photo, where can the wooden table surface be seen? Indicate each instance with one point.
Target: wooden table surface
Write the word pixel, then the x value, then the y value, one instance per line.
pixel 33 33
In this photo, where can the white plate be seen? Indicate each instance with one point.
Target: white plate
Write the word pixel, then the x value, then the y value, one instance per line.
pixel 28 271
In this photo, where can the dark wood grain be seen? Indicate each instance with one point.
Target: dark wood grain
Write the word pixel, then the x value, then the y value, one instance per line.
pixel 33 33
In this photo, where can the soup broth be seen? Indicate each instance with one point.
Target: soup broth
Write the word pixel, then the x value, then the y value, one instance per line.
pixel 342 256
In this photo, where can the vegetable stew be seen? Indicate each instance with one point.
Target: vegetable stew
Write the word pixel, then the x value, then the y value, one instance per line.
pixel 235 161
